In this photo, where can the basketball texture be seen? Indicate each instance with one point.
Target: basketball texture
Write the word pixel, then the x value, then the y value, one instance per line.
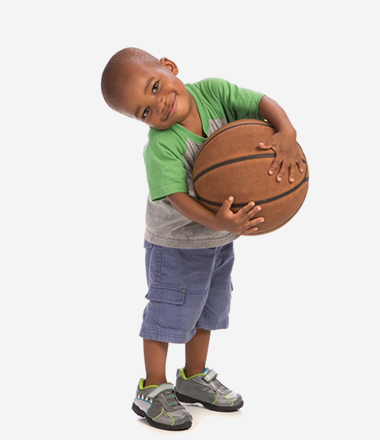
pixel 231 163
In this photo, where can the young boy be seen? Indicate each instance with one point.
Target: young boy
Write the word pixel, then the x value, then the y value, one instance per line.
pixel 189 249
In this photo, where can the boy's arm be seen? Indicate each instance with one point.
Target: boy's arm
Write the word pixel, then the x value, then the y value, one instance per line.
pixel 241 223
pixel 288 154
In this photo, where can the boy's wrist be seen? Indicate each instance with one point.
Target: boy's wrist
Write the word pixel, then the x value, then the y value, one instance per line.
pixel 289 130
pixel 216 225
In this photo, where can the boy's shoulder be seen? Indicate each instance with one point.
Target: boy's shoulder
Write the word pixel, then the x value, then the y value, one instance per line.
pixel 209 85
pixel 216 91
pixel 156 135
pixel 163 142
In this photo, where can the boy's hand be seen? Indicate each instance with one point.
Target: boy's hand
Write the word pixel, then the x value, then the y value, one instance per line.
pixel 284 144
pixel 288 154
pixel 241 223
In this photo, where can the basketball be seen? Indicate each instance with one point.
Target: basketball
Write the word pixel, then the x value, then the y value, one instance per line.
pixel 231 163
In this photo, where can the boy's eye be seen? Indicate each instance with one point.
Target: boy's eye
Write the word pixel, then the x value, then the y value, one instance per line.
pixel 154 90
pixel 145 113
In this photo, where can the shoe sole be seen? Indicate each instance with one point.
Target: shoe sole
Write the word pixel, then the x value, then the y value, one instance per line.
pixel 158 425
pixel 187 399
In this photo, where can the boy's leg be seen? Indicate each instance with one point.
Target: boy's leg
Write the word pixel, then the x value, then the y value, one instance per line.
pixel 155 398
pixel 155 354
pixel 196 352
pixel 196 384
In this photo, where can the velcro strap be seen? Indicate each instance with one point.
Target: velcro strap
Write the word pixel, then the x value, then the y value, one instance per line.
pixel 210 376
pixel 160 389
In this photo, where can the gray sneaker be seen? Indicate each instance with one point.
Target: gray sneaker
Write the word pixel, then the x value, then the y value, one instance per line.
pixel 160 407
pixel 204 388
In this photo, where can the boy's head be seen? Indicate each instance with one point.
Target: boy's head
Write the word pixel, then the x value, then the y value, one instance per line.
pixel 119 70
pixel 140 86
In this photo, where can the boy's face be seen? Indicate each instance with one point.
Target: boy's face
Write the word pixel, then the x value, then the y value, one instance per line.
pixel 155 95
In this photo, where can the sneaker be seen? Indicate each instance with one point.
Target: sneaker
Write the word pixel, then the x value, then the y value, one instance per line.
pixel 204 388
pixel 160 407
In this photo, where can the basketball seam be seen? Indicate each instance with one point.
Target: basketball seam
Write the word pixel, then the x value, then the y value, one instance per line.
pixel 260 202
pixel 231 161
pixel 258 232
pixel 223 129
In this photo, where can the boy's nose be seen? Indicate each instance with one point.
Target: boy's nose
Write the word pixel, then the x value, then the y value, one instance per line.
pixel 160 105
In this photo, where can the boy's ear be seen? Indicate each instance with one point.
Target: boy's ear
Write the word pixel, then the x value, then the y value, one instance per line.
pixel 170 65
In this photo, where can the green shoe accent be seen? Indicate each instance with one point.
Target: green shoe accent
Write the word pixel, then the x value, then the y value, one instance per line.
pixel 217 397
pixel 189 378
pixel 154 418
pixel 142 383
pixel 205 388
pixel 160 406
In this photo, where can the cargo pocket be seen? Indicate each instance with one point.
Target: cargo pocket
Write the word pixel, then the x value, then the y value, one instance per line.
pixel 165 304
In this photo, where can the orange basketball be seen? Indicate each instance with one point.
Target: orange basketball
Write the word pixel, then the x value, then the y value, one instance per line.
pixel 231 163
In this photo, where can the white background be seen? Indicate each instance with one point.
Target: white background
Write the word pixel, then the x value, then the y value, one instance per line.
pixel 303 345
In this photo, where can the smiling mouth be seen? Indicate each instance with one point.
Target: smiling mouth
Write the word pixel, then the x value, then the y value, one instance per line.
pixel 171 108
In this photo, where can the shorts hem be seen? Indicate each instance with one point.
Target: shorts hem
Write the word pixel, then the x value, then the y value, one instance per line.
pixel 208 325
pixel 167 336
pixel 181 338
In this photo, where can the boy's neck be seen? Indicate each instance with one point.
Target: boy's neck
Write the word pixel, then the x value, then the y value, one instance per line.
pixel 193 122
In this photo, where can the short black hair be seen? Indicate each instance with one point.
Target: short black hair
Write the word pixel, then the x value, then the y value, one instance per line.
pixel 116 71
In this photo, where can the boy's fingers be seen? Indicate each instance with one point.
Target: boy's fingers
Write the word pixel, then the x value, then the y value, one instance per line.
pixel 254 212
pixel 253 226
pixel 254 222
pixel 226 205
pixel 300 164
pixel 292 170
pixel 285 168
pixel 247 208
pixel 257 221
pixel 250 210
pixel 275 164
pixel 265 146
pixel 269 143
pixel 282 172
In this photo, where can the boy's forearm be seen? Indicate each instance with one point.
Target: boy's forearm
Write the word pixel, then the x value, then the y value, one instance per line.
pixel 283 142
pixel 244 222
pixel 275 114
pixel 193 210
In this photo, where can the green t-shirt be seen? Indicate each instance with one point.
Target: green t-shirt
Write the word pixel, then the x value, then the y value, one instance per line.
pixel 169 158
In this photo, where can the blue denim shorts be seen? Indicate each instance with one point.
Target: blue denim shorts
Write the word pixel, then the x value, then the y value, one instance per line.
pixel 188 289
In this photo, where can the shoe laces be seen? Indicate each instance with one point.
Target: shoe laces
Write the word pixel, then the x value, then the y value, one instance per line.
pixel 171 399
pixel 219 385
